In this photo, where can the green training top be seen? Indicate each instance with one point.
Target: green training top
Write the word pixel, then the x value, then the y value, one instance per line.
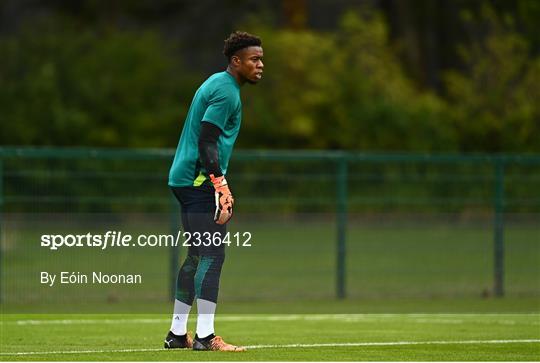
pixel 216 101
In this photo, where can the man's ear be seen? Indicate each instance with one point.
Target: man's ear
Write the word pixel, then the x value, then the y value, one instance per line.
pixel 235 60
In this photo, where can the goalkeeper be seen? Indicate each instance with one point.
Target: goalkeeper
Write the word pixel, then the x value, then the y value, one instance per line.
pixel 197 179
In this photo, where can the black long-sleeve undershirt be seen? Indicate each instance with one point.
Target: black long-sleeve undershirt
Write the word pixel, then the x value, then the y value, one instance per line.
pixel 208 151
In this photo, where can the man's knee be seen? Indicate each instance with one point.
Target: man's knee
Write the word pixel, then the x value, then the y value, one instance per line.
pixel 190 264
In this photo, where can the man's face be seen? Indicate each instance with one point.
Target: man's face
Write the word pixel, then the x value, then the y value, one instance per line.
pixel 250 65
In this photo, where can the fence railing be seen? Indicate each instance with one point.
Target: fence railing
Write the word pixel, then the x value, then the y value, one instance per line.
pixel 342 184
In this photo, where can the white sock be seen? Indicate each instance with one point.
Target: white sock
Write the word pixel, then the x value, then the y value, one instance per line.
pixel 205 318
pixel 180 318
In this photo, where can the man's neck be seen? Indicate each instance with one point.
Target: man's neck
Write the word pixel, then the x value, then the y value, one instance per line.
pixel 236 76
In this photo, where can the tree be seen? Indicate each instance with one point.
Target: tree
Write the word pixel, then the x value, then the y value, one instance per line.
pixel 342 90
pixel 495 101
pixel 67 86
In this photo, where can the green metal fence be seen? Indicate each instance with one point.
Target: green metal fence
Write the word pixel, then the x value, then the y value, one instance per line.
pixel 364 215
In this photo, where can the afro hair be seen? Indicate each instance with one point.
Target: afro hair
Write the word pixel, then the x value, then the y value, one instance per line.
pixel 239 40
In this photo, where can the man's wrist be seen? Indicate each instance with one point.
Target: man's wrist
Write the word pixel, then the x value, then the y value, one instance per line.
pixel 218 181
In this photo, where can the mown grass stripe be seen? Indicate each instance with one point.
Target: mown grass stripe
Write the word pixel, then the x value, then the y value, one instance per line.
pixel 299 345
pixel 504 319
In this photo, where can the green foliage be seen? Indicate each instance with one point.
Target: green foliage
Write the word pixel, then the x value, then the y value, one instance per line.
pixel 495 102
pixel 342 90
pixel 67 86
pixel 528 13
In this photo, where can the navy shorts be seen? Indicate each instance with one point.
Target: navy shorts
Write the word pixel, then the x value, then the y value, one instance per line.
pixel 198 207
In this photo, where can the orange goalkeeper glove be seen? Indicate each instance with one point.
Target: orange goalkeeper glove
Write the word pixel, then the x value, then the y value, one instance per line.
pixel 224 199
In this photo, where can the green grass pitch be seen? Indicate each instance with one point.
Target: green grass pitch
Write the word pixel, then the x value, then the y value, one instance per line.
pixel 415 293
pixel 491 335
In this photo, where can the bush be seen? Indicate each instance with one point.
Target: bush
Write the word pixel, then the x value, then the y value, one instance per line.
pixel 495 101
pixel 67 86
pixel 343 90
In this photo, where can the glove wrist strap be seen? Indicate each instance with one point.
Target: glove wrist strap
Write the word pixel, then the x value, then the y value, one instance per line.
pixel 218 181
